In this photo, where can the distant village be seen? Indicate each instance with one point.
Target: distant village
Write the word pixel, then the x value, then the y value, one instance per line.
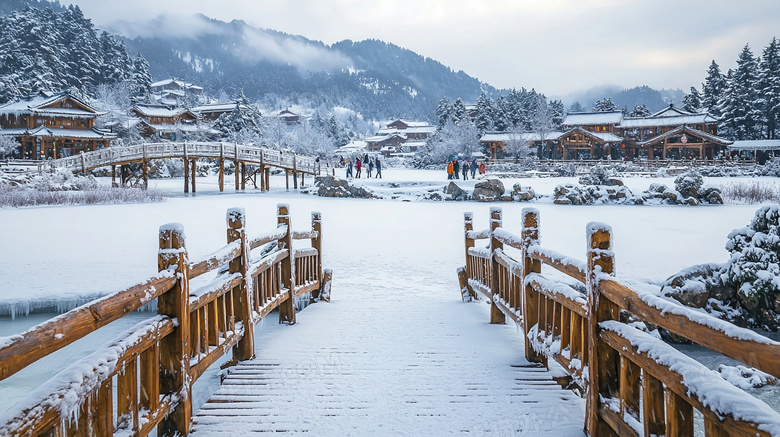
pixel 50 125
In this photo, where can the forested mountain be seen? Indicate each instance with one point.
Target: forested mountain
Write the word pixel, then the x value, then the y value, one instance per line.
pixel 653 99
pixel 8 6
pixel 375 78
pixel 45 49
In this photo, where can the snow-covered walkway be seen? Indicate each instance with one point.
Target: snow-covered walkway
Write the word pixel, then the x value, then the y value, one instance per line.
pixel 395 353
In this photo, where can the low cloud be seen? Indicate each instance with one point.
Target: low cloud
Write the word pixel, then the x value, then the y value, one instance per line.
pixel 168 27
pixel 302 54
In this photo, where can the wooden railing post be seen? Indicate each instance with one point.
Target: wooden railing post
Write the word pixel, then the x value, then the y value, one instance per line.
pixel 468 226
pixel 496 315
pixel 287 308
pixel 186 169
pixel 316 243
pixel 145 165
pixel 237 173
pixel 530 298
pixel 242 296
pixel 604 362
pixel 175 348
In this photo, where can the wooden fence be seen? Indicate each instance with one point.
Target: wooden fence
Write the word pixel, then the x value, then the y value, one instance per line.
pixel 583 317
pixel 143 380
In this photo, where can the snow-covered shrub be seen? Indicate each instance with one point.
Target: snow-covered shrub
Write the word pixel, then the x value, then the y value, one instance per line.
pixel 689 184
pixel 599 175
pixel 772 168
pixel 746 289
pixel 754 265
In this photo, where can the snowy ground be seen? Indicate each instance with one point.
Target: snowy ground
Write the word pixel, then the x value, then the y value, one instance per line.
pixel 61 256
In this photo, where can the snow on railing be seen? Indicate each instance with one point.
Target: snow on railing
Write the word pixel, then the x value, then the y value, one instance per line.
pixel 612 360
pixel 199 321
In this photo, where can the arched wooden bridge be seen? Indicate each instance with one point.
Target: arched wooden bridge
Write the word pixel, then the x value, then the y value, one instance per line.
pixel 249 162
pixel 390 362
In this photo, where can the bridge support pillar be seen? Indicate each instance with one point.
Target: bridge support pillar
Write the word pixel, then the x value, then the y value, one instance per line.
pixel 146 174
pixel 221 175
pixel 237 174
pixel 268 178
pixel 287 179
pixel 295 180
pixel 186 175
pixel 113 176
pixel 243 176
pixel 194 173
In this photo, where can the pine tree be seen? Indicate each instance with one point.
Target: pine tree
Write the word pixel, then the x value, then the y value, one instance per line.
pixel 692 101
pixel 769 89
pixel 459 111
pixel 556 113
pixel 741 111
pixel 576 107
pixel 443 111
pixel 640 111
pixel 141 77
pixel 485 113
pixel 605 105
pixel 500 119
pixel 713 89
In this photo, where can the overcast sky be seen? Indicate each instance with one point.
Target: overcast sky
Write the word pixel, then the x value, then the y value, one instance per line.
pixel 555 46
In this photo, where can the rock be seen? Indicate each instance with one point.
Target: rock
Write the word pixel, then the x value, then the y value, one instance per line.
pixel 488 191
pixel 723 292
pixel 714 198
pixel 614 181
pixel 670 195
pixel 454 192
pixel 691 201
pixel 777 304
pixel 562 201
pixel 331 186
pixel 692 293
pixel 506 198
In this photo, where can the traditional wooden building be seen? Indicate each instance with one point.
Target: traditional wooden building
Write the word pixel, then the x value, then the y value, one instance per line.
pixel 376 143
pixel 52 125
pixel 579 143
pixel 412 130
pixel 162 122
pixel 213 111
pixel 288 117
pixel 684 142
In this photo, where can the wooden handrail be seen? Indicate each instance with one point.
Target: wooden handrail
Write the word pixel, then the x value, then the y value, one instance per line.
pixel 625 370
pixel 171 350
pixel 52 335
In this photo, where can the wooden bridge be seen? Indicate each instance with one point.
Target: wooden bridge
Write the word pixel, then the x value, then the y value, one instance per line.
pixel 389 362
pixel 250 163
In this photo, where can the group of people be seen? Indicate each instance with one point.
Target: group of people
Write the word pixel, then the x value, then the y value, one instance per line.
pixel 368 163
pixel 454 168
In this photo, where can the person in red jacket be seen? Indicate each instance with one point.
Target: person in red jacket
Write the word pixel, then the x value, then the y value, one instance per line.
pixel 358 166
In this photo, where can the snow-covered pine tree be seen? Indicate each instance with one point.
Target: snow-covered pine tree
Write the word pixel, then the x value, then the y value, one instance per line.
pixel 769 89
pixel 459 111
pixel 556 113
pixel 640 111
pixel 141 77
pixel 485 113
pixel 741 106
pixel 576 107
pixel 692 102
pixel 443 111
pixel 500 120
pixel 713 89
pixel 605 105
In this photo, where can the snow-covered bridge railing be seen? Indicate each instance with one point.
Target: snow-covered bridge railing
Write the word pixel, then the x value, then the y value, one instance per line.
pixel 260 159
pixel 143 379
pixel 580 315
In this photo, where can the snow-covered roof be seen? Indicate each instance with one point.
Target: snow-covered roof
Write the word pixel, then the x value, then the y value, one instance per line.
pixel 178 127
pixel 217 107
pixel 158 111
pixel 37 104
pixel 522 136
pixel 43 131
pixel 686 129
pixel 410 130
pixel 667 120
pixel 606 137
pixel 168 82
pixel 380 138
pixel 756 145
pixel 671 111
pixel 593 118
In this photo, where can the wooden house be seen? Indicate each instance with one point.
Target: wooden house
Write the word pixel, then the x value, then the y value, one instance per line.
pixel 52 125
pixel 213 111
pixel 499 143
pixel 288 117
pixel 162 122
pixel 377 143
pixel 412 130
